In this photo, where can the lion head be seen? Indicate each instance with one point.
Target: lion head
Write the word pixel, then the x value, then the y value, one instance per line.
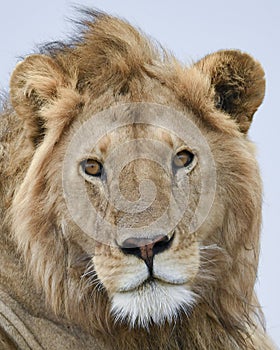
pixel 138 203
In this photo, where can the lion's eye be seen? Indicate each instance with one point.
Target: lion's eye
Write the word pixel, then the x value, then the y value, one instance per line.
pixel 183 159
pixel 92 167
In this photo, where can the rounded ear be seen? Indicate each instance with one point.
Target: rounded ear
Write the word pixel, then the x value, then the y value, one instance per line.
pixel 238 82
pixel 34 84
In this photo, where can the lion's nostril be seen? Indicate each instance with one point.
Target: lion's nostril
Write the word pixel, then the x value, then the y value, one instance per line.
pixel 146 248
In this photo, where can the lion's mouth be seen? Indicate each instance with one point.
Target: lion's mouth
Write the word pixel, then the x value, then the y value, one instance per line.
pixel 150 281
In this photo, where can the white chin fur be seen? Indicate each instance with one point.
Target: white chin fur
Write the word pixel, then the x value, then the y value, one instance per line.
pixel 152 302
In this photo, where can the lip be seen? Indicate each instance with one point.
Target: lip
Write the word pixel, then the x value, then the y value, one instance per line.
pixel 151 280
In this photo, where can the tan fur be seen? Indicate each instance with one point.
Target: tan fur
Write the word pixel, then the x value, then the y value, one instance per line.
pixel 52 94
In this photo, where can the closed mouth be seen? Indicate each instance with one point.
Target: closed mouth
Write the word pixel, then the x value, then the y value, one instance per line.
pixel 151 282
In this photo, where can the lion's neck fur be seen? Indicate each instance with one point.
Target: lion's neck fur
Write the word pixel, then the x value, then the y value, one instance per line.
pixel 203 330
pixel 13 276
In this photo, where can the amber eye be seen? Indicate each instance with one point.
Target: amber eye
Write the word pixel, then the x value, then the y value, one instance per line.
pixel 92 167
pixel 182 159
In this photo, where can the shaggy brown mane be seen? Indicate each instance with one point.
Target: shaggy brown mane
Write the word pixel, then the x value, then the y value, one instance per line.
pixel 111 62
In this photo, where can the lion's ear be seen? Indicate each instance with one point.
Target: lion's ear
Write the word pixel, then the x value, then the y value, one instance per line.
pixel 34 84
pixel 238 82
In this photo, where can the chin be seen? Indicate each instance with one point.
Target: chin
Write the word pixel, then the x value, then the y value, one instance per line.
pixel 154 302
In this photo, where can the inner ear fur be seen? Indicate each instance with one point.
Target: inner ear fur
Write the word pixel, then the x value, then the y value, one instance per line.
pixel 34 84
pixel 238 82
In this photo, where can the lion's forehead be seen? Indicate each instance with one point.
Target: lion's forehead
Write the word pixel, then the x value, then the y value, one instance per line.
pixel 139 132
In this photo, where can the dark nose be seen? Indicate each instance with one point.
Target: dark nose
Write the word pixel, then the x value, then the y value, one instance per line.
pixel 146 248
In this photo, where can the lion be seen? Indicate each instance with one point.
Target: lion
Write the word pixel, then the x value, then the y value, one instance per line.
pixel 130 197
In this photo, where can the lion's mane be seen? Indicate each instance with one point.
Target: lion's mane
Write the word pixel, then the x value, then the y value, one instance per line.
pixel 48 93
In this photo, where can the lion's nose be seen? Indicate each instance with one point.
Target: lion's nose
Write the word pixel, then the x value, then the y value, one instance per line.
pixel 146 248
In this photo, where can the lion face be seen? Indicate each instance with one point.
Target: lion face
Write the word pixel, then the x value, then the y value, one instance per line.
pixel 142 186
pixel 142 189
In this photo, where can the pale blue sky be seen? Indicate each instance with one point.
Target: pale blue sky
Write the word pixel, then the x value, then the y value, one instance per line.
pixel 191 29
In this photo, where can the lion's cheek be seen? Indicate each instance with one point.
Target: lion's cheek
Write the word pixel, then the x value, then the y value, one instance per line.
pixel 118 275
pixel 177 267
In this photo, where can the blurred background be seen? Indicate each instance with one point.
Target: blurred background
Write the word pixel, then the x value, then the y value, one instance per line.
pixel 190 29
